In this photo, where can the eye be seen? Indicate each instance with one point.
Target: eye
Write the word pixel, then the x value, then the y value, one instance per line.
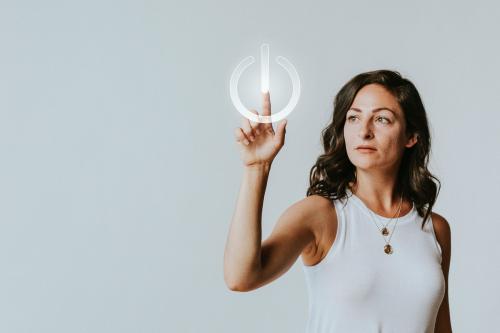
pixel 350 117
pixel 386 119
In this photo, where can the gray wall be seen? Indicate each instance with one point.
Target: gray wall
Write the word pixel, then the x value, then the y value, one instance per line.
pixel 119 172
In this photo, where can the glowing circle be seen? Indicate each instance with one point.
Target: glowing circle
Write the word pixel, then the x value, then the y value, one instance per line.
pixel 243 65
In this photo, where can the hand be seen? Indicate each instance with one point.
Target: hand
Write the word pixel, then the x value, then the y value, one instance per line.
pixel 258 142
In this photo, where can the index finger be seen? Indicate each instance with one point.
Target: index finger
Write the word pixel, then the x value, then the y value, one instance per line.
pixel 266 104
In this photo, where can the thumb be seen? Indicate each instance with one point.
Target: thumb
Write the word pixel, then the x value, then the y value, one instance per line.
pixel 280 131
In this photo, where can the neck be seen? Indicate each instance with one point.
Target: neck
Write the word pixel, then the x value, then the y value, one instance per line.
pixel 379 193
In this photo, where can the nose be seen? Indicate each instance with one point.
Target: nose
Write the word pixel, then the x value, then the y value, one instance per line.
pixel 365 131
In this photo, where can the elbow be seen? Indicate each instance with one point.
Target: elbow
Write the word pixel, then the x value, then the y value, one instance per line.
pixel 235 284
pixel 237 287
pixel 238 279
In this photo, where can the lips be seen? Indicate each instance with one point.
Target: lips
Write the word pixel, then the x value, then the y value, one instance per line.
pixel 366 147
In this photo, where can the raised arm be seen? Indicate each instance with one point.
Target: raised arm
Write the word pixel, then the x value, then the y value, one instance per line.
pixel 263 262
pixel 249 263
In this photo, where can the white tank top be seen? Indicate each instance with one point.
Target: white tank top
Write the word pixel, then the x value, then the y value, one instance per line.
pixel 358 288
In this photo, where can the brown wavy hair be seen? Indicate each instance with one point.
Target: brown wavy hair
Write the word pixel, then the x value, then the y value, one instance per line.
pixel 333 171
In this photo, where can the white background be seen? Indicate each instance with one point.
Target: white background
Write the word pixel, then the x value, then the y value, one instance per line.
pixel 119 171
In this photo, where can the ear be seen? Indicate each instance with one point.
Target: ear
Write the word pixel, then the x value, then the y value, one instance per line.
pixel 412 140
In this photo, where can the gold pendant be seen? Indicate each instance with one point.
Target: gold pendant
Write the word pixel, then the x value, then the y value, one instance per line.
pixel 385 232
pixel 388 249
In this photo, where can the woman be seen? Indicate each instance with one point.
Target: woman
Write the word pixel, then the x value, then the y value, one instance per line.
pixel 370 184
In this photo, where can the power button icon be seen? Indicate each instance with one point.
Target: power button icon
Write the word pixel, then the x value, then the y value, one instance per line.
pixel 264 70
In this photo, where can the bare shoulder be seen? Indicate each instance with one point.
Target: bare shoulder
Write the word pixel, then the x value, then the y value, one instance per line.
pixel 441 228
pixel 316 201
pixel 314 207
pixel 305 216
pixel 443 234
pixel 322 221
pixel 319 208
pixel 310 208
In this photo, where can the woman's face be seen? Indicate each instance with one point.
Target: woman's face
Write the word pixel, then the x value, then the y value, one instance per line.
pixel 375 120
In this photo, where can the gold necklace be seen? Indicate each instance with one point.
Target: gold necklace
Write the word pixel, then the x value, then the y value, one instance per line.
pixel 387 247
pixel 384 230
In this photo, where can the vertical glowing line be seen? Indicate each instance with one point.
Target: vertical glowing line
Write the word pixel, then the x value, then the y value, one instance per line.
pixel 242 66
pixel 264 67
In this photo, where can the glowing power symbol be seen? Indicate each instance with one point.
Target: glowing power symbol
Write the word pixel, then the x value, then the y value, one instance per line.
pixel 264 59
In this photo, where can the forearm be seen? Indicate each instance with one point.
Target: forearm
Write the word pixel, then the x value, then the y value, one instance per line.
pixel 243 247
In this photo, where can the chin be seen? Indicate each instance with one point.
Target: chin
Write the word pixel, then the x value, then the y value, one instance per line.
pixel 364 163
pixel 357 158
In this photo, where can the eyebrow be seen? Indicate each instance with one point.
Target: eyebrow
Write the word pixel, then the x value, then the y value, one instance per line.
pixel 375 110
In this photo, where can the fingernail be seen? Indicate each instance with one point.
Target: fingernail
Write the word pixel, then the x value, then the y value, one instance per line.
pixel 252 137
pixel 257 131
pixel 246 142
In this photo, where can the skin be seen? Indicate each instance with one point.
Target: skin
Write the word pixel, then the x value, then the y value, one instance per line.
pixel 305 228
pixel 384 130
